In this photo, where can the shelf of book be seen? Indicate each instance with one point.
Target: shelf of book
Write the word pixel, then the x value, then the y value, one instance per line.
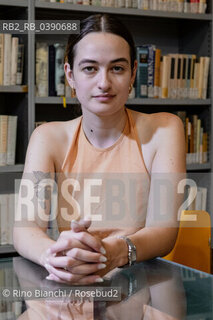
pixel 14 3
pixel 16 89
pixel 198 166
pixel 122 11
pixel 7 248
pixel 167 102
pixel 136 101
pixel 12 168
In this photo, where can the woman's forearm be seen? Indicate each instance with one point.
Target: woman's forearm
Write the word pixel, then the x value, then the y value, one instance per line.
pixel 153 242
pixel 32 243
pixel 150 243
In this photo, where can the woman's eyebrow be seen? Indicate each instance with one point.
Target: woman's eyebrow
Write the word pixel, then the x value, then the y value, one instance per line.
pixel 112 61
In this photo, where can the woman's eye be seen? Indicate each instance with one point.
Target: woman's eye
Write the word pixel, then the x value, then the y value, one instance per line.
pixel 89 69
pixel 118 68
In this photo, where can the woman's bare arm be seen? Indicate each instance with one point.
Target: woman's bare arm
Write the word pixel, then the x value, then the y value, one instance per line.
pixel 158 236
pixel 30 239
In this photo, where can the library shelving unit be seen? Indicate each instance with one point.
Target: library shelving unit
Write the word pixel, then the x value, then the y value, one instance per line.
pixel 171 31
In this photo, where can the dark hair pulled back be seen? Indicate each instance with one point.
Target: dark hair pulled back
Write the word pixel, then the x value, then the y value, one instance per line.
pixel 99 23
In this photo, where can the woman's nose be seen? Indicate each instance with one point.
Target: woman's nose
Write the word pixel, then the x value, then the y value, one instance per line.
pixel 104 82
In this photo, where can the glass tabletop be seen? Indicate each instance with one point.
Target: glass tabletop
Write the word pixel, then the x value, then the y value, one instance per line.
pixel 155 289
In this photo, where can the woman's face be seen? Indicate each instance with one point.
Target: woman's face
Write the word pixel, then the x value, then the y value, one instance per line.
pixel 102 73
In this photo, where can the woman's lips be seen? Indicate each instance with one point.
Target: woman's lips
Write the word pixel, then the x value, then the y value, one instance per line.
pixel 104 97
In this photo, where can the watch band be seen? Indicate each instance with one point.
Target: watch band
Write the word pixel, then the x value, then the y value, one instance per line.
pixel 132 254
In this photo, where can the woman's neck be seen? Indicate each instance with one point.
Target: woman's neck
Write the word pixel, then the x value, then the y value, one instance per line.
pixel 104 131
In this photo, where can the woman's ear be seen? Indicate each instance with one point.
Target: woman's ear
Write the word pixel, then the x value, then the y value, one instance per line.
pixel 69 75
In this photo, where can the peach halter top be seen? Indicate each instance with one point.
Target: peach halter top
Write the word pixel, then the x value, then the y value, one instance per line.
pixel 110 185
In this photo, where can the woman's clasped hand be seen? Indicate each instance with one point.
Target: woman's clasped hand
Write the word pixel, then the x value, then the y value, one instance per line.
pixel 76 256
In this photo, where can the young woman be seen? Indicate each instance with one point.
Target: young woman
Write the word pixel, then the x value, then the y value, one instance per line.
pixel 134 153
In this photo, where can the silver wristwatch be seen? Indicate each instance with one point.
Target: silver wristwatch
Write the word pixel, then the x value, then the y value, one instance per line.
pixel 131 250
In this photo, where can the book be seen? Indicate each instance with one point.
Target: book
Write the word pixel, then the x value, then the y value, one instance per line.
pixel 142 72
pixel 151 67
pixel 3 139
pixel 198 140
pixel 1 59
pixel 192 75
pixel 205 147
pixel 196 79
pixel 157 73
pixel 166 67
pixel 188 75
pixel 205 77
pixel 12 205
pixel 96 3
pixel 3 219
pixel 172 82
pixel 183 92
pixel 59 69
pixel 201 76
pixel 11 139
pixel 41 69
pixel 7 59
pixel 51 71
pixel 20 64
pixel 14 60
pixel 202 6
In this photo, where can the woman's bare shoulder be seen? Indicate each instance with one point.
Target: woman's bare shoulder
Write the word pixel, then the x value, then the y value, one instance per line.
pixel 153 125
pixel 51 139
pixel 57 131
pixel 154 120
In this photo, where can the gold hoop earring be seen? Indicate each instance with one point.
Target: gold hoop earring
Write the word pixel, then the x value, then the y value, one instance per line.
pixel 130 88
pixel 73 93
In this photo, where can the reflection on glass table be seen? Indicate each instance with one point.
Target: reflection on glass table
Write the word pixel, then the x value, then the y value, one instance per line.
pixel 153 290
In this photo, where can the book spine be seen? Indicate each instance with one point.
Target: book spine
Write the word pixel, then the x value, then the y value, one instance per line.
pixel 179 75
pixel 195 87
pixel 51 70
pixel 59 69
pixel 20 64
pixel 201 146
pixel 151 68
pixel 192 74
pixel 7 59
pixel 11 217
pixel 3 139
pixel 201 75
pixel 186 136
pixel 180 5
pixel 204 198
pixel 165 75
pixel 41 70
pixel 198 140
pixel 185 91
pixel 205 147
pixel 3 218
pixel 198 199
pixel 157 73
pixel 188 75
pixel 11 139
pixel 172 85
pixel 14 58
pixel 202 6
pixel 193 6
pixel 1 59
pixel 189 138
pixel 142 72
pixel 205 77
pixel 128 3
pixel 96 3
